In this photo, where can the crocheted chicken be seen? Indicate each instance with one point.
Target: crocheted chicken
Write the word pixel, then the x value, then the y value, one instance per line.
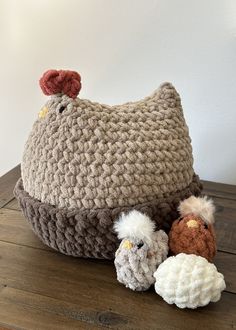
pixel 140 252
pixel 193 232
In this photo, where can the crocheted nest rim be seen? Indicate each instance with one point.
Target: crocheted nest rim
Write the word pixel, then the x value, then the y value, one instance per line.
pixel 89 233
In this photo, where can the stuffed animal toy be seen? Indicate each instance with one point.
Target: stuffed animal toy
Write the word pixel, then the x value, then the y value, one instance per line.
pixel 84 163
pixel 188 281
pixel 140 252
pixel 193 232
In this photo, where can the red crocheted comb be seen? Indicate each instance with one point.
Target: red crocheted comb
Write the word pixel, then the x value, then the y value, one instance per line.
pixel 61 81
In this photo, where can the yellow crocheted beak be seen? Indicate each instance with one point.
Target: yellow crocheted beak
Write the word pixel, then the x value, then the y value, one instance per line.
pixel 192 224
pixel 127 245
pixel 43 112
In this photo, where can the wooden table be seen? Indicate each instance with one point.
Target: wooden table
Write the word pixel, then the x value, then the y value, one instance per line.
pixel 43 289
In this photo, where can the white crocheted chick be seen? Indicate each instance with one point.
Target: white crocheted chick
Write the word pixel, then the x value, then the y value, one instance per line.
pixel 188 281
pixel 140 252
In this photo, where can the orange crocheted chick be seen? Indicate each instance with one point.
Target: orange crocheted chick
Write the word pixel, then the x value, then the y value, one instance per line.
pixel 193 232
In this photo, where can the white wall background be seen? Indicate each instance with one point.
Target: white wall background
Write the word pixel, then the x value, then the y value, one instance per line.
pixel 124 49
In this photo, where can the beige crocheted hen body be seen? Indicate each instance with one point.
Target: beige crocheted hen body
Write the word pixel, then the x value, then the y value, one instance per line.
pixel 91 156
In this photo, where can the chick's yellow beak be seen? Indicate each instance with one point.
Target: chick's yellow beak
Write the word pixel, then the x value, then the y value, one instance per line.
pixel 192 224
pixel 127 245
pixel 43 112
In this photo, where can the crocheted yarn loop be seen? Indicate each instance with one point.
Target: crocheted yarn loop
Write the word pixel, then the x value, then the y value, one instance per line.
pixel 61 81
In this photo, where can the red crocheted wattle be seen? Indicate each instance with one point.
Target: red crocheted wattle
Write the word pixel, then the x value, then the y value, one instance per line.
pixel 61 81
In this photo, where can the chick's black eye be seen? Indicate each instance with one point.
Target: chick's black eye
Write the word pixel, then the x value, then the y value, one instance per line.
pixel 140 245
pixel 62 108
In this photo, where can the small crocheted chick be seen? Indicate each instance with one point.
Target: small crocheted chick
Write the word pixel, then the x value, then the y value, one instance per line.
pixel 193 232
pixel 189 281
pixel 140 252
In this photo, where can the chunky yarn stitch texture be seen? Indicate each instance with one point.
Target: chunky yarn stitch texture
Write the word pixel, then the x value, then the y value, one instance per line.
pixel 200 240
pixel 189 281
pixel 94 156
pixel 86 162
pixel 135 266
pixel 89 233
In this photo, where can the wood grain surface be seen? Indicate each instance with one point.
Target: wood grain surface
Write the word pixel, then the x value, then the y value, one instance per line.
pixel 43 289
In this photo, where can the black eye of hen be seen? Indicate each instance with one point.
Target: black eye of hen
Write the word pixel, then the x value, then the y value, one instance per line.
pixel 140 245
pixel 205 226
pixel 62 108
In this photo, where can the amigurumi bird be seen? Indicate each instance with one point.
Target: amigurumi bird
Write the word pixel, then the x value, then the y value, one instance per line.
pixel 188 281
pixel 140 252
pixel 193 232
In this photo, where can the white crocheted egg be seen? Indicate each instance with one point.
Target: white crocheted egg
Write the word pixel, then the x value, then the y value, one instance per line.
pixel 188 281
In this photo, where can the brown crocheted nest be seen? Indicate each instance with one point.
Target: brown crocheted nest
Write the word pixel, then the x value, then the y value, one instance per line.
pixel 89 233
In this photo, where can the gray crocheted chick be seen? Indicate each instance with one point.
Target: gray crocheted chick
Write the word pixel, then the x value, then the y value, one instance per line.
pixel 141 250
